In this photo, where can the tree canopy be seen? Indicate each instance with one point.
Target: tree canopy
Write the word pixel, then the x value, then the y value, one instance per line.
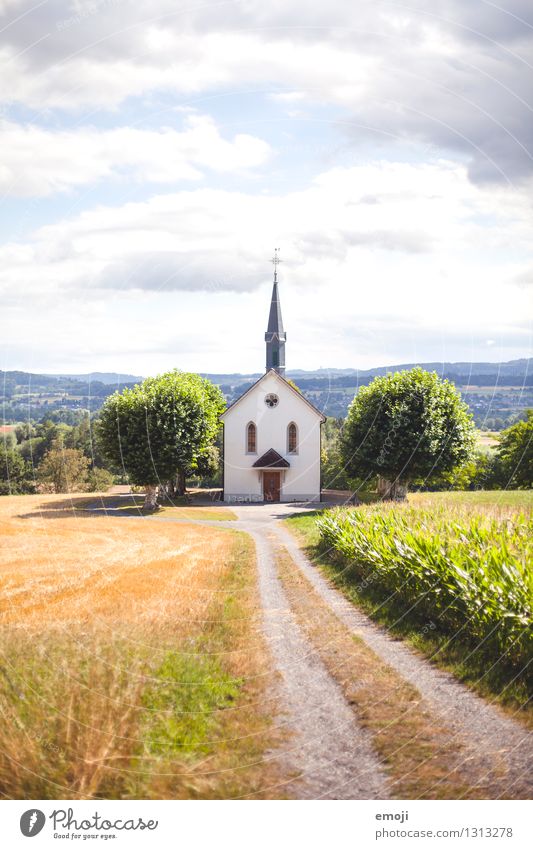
pixel 160 427
pixel 406 425
pixel 515 454
pixel 14 472
pixel 65 469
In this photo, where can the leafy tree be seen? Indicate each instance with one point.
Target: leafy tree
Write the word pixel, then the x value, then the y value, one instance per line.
pixel 478 472
pixel 65 469
pixel 99 480
pixel 515 454
pixel 24 431
pixel 14 473
pixel 158 429
pixel 334 474
pixel 81 436
pixel 406 425
pixel 33 450
pixel 207 463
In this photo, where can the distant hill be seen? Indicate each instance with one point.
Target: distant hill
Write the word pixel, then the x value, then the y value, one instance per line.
pixel 496 392
pixel 521 369
pixel 512 368
pixel 106 377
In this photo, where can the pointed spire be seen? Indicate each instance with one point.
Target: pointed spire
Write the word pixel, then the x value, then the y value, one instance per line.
pixel 275 321
pixel 275 336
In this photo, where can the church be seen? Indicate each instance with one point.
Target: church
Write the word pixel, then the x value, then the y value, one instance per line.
pixel 272 433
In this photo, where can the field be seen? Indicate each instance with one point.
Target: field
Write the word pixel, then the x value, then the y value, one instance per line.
pixel 487 439
pixel 479 500
pixel 449 572
pixel 131 663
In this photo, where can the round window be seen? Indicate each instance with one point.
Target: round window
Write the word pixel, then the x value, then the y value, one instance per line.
pixel 272 400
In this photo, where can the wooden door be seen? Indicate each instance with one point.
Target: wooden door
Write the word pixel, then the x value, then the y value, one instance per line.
pixel 271 486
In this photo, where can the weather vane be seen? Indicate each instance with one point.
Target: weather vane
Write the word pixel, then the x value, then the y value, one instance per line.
pixel 276 261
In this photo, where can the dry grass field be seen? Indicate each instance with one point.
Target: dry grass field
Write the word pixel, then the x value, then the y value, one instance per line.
pixel 131 663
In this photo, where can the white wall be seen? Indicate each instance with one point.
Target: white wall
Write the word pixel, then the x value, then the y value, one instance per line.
pixel 302 480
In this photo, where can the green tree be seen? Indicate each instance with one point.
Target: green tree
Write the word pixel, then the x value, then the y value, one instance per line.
pixel 14 473
pixel 24 431
pixel 65 469
pixel 158 429
pixel 406 425
pixel 478 472
pixel 334 474
pixel 515 454
pixel 99 480
pixel 81 436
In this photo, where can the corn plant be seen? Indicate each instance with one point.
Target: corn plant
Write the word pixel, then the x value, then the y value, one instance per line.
pixel 472 575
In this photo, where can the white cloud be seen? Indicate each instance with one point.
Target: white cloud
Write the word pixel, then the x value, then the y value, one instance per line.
pixel 37 162
pixel 381 252
pixel 419 240
pixel 453 75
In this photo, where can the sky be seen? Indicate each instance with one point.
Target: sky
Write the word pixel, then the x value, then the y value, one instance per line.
pixel 154 153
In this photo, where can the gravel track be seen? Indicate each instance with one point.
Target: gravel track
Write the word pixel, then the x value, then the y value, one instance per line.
pixel 328 751
pixel 496 746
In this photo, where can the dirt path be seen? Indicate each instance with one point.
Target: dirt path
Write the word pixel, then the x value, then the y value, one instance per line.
pixel 330 754
pixel 494 743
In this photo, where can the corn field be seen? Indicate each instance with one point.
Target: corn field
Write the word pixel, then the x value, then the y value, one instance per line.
pixel 471 575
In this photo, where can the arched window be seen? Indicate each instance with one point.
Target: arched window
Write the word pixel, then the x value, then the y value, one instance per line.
pixel 251 438
pixel 292 438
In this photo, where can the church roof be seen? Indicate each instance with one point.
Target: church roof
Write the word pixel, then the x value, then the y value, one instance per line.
pixel 286 382
pixel 271 460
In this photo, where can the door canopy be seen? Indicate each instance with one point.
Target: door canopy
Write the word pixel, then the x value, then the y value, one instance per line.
pixel 271 460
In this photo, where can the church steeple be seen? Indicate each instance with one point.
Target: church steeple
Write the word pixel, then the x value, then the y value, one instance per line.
pixel 275 337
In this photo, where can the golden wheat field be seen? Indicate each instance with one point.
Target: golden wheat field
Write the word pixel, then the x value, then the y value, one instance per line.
pixel 131 661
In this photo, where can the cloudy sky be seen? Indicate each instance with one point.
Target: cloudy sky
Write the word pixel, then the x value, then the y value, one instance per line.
pixel 154 152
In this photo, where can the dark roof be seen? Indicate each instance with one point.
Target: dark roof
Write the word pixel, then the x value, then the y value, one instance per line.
pixel 275 321
pixel 271 460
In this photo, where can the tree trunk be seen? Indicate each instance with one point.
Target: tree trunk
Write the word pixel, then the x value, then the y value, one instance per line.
pixel 391 490
pixel 181 487
pixel 151 492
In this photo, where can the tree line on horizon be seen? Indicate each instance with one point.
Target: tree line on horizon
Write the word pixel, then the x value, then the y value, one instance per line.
pixel 408 429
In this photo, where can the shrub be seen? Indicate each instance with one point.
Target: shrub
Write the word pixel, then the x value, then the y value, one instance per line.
pixel 99 480
pixel 64 469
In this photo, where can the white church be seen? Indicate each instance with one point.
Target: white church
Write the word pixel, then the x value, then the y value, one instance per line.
pixel 272 433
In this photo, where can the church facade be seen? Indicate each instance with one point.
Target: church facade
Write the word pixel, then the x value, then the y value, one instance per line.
pixel 272 434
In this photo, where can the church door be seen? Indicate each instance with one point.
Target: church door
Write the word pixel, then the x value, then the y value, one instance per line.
pixel 271 486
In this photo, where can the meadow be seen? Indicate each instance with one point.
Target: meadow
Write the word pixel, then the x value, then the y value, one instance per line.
pixel 131 663
pixel 449 572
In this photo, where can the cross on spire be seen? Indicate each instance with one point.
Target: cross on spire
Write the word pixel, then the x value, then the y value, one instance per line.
pixel 276 261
